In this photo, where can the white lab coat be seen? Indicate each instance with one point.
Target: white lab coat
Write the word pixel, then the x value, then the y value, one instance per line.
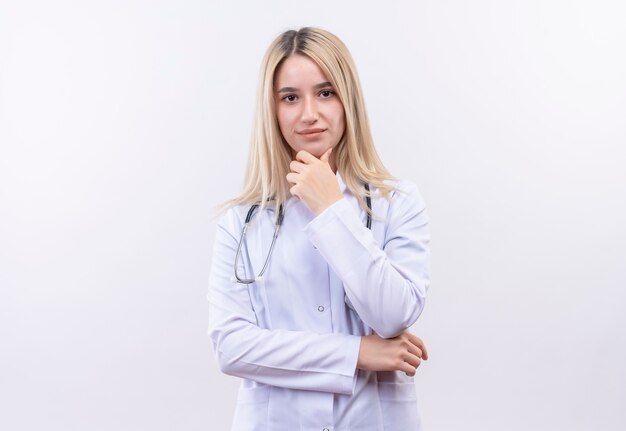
pixel 294 335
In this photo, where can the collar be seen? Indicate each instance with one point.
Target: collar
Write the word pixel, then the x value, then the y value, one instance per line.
pixel 342 185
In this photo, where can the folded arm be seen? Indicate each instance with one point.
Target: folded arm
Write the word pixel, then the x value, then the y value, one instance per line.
pixel 386 286
pixel 290 359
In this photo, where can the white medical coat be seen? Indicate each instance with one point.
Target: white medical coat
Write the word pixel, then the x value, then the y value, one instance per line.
pixel 294 335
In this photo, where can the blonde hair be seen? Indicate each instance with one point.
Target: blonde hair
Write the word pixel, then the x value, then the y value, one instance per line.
pixel 269 154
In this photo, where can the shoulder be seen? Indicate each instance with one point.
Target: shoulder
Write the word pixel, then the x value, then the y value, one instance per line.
pixel 405 193
pixel 232 219
pixel 407 209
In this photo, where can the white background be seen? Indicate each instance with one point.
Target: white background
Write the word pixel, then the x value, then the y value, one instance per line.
pixel 123 124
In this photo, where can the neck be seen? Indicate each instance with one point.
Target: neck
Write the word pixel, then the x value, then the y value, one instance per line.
pixel 332 163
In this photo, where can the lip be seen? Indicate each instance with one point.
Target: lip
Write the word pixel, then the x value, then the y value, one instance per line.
pixel 306 132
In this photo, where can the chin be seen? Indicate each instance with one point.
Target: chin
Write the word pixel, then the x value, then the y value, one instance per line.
pixel 314 148
pixel 317 150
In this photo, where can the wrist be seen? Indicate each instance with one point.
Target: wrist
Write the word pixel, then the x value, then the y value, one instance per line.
pixel 327 205
pixel 359 361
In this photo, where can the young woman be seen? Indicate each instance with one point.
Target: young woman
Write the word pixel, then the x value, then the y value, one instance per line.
pixel 322 263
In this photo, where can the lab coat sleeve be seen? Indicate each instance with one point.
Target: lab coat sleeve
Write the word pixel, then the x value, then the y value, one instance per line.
pixel 386 286
pixel 289 359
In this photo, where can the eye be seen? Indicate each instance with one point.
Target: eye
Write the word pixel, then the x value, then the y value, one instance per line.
pixel 289 98
pixel 326 93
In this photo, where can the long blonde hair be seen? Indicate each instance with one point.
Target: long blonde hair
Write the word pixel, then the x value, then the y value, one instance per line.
pixel 269 155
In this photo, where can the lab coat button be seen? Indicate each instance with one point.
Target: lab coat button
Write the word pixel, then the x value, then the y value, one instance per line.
pixel 325 429
pixel 320 309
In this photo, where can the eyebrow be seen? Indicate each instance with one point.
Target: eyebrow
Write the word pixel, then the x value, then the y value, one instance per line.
pixel 315 87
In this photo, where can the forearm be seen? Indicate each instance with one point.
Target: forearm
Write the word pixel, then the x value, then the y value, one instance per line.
pixel 290 359
pixel 387 288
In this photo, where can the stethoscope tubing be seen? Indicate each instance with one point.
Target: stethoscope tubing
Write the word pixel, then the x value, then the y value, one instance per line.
pixel 279 222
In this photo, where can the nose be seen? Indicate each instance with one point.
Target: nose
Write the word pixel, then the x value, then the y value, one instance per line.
pixel 310 113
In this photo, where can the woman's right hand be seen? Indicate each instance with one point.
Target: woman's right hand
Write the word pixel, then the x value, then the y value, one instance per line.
pixel 401 353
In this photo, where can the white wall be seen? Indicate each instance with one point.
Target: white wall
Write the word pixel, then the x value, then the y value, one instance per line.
pixel 124 123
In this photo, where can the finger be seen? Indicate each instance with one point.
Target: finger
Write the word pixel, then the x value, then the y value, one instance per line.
pixel 408 369
pixel 414 350
pixel 292 177
pixel 306 157
pixel 296 166
pixel 326 155
pixel 413 360
pixel 417 341
pixel 294 192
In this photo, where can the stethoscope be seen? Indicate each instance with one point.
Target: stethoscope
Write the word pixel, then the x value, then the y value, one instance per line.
pixel 279 222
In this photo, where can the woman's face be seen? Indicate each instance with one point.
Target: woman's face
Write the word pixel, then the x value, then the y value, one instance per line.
pixel 310 114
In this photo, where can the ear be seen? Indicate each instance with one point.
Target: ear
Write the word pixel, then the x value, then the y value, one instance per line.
pixel 326 155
